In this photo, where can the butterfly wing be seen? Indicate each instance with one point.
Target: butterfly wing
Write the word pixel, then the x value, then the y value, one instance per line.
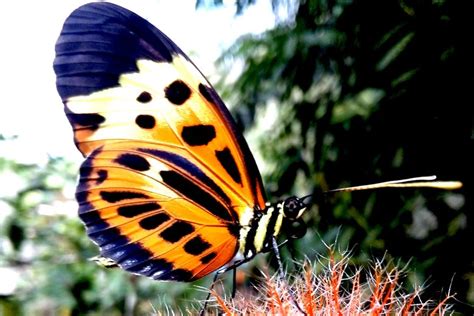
pixel 155 212
pixel 167 178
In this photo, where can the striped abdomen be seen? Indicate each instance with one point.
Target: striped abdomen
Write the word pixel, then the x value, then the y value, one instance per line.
pixel 256 235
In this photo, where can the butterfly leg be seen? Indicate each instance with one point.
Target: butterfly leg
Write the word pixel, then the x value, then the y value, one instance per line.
pixel 214 280
pixel 281 274
pixel 276 252
pixel 234 282
pixel 233 267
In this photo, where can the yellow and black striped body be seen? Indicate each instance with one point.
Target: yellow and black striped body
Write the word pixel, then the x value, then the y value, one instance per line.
pixel 256 235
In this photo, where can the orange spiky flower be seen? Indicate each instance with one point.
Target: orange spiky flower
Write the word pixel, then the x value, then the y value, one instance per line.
pixel 335 290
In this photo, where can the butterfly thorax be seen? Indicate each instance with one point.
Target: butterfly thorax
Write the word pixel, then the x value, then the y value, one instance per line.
pixel 257 231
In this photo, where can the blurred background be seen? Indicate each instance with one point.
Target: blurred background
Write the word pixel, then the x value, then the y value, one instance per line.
pixel 329 94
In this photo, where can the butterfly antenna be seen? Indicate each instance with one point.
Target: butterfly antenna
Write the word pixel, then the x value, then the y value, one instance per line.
pixel 417 182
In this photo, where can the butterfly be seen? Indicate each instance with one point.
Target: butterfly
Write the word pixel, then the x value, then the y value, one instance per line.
pixel 169 188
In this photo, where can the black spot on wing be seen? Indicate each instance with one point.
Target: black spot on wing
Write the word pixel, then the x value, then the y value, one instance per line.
pixel 133 161
pixel 177 231
pixel 101 176
pixel 131 211
pixel 144 97
pixel 189 167
pixel 117 196
pixel 204 90
pixel 207 258
pixel 177 92
pixel 90 121
pixel 154 221
pixel 196 245
pixel 195 193
pixel 101 41
pixel 227 161
pixel 198 135
pixel 145 121
pixel 88 176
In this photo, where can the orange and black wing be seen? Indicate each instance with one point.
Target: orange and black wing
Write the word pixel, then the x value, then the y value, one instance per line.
pixel 167 179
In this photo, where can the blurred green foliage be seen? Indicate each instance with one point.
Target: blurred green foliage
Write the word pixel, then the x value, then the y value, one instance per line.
pixel 354 92
pixel 345 93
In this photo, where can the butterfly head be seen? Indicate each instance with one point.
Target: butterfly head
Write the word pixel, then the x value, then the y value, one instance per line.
pixel 293 209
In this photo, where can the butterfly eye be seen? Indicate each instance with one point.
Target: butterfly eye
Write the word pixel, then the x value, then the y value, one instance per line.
pixel 293 208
